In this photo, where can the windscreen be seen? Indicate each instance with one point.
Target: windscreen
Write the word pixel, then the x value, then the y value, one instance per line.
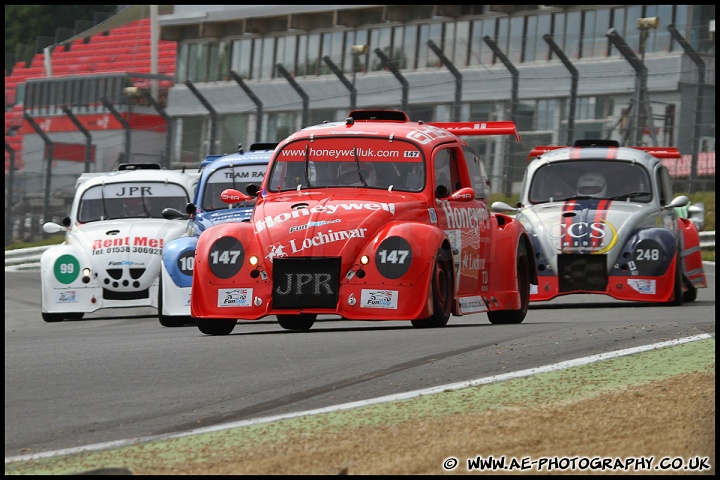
pixel 360 162
pixel 130 200
pixel 236 177
pixel 602 179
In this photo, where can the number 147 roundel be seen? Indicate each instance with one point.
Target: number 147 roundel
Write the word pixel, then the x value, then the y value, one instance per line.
pixel 373 218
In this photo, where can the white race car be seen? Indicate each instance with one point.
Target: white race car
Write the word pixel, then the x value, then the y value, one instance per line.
pixel 114 237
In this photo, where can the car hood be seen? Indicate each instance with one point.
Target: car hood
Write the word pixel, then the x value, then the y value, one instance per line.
pixel 205 220
pixel 111 244
pixel 584 226
pixel 321 225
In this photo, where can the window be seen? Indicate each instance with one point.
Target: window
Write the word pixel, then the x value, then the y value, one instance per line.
pixel 286 52
pixel 241 59
pixel 236 177
pixel 231 128
pixel 462 35
pixel 312 60
pixel 516 39
pixel 478 177
pixel 130 200
pixel 530 37
pixel 281 125
pixel 572 35
pixel 382 38
pixel 409 46
pixel 545 114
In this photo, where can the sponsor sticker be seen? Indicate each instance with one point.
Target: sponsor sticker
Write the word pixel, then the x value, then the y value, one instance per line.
pixel 472 304
pixel 68 296
pixel 379 299
pixel 643 286
pixel 235 297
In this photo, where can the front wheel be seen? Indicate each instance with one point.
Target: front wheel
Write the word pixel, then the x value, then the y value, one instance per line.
pixel 507 317
pixel 175 321
pixel 172 321
pixel 297 322
pixel 442 289
pixel 52 317
pixel 215 327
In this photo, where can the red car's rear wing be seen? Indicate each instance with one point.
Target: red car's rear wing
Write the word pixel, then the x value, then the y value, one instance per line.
pixel 479 128
pixel 457 128
pixel 657 152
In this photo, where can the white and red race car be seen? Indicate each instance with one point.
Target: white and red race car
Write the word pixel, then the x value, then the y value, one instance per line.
pixel 603 220
pixel 114 237
pixel 373 218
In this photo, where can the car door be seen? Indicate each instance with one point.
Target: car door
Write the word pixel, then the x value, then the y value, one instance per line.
pixel 465 222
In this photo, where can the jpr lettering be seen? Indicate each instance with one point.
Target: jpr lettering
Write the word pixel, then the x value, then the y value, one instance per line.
pixel 305 283
pixel 134 191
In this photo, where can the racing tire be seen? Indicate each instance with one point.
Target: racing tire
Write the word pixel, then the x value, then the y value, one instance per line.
pixel 508 317
pixel 678 295
pixel 301 322
pixel 690 294
pixel 442 292
pixel 175 321
pixel 215 327
pixel 171 321
pixel 52 317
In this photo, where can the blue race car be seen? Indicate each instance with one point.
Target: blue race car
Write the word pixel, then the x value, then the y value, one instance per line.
pixel 218 173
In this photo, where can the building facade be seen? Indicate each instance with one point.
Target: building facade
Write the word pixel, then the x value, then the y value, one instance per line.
pixel 239 74
pixel 560 72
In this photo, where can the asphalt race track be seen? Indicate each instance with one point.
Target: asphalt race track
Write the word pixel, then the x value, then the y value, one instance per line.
pixel 118 374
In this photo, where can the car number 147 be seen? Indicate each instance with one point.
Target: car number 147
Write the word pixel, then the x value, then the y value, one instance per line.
pixel 393 256
pixel 225 257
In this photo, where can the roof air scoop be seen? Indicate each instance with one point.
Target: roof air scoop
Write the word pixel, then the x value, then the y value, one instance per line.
pixel 375 115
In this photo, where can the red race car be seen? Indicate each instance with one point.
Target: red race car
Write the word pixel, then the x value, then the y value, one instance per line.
pixel 373 218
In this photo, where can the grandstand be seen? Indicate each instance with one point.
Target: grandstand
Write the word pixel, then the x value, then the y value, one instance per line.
pixel 122 49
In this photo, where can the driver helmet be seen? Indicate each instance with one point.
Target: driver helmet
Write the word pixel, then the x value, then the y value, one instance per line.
pixel 592 184
pixel 348 173
pixel 133 207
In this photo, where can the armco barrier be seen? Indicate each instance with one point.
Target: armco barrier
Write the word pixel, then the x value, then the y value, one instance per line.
pixel 29 258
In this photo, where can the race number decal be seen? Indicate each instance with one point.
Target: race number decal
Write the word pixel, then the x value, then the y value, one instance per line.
pixel 649 254
pixel 186 263
pixel 67 269
pixel 226 257
pixel 393 257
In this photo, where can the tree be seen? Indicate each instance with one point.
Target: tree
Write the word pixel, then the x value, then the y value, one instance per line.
pixel 25 25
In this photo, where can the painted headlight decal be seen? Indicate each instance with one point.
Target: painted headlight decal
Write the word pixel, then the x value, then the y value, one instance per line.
pixel 393 257
pixel 226 257
pixel 67 269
